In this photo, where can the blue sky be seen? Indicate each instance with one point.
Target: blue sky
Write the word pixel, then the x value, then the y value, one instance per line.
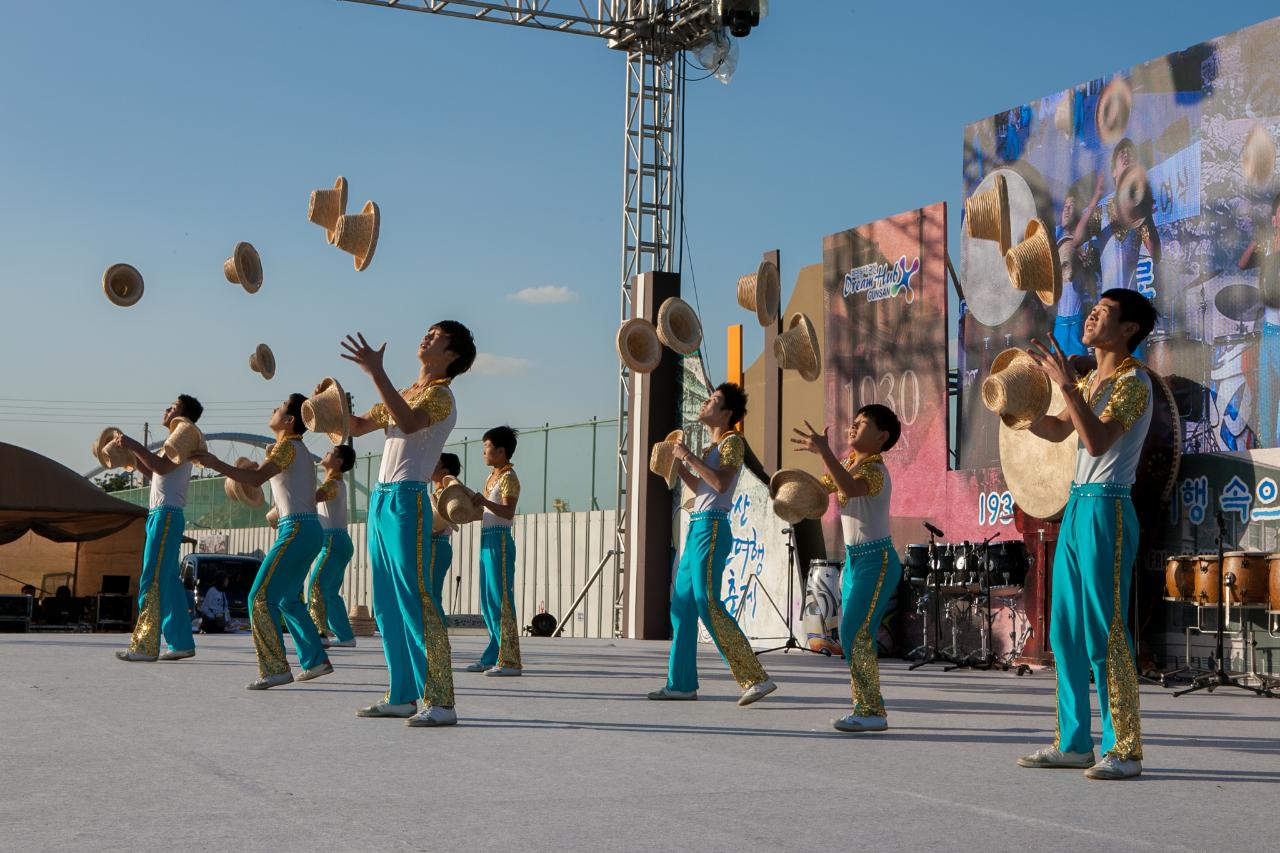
pixel 161 133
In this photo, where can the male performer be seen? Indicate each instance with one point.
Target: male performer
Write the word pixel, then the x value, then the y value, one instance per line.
pixel 1109 410
pixel 162 601
pixel 871 568
pixel 446 474
pixel 417 422
pixel 1263 252
pixel 498 556
pixel 324 593
pixel 277 590
pixel 695 594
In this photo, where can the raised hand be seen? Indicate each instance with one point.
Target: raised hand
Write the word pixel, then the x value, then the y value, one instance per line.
pixel 1053 363
pixel 812 441
pixel 359 351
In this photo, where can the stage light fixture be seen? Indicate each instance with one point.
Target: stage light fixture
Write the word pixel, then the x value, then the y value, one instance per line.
pixel 739 16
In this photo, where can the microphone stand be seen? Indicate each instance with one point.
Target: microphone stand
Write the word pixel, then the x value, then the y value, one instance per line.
pixel 792 642
pixel 932 653
pixel 988 660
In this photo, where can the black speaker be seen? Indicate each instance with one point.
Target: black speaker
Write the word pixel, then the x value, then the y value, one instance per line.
pixel 15 607
pixel 114 608
pixel 115 584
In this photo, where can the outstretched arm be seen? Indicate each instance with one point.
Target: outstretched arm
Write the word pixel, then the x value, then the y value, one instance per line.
pixel 153 463
pixel 1097 434
pixel 370 360
pixel 247 476
pixel 819 443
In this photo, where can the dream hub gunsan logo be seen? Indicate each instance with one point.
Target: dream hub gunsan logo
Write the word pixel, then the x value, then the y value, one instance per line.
pixel 881 281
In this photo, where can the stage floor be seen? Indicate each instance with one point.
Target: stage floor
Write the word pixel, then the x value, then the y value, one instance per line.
pixel 102 755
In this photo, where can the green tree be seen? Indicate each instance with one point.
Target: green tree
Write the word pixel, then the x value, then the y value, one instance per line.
pixel 113 481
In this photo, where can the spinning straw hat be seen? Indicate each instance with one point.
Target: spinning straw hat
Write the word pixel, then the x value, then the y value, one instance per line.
pixel 328 412
pixel 760 292
pixel 1112 115
pixel 662 458
pixel 1133 194
pixel 362 624
pixel 638 345
pixel 1016 389
pixel 797 495
pixel 1034 264
pixel 244 267
pixel 263 361
pixel 247 495
pixel 1258 159
pixel 797 348
pixel 327 206
pixel 678 326
pixel 122 284
pixel 986 214
pixel 273 516
pixel 456 506
pixel 184 439
pixel 357 234
pixel 110 457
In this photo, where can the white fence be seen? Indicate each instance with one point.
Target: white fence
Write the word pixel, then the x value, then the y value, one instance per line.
pixel 555 555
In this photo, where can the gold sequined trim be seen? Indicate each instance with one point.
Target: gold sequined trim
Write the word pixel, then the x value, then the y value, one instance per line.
pixel 266 633
pixel 315 596
pixel 732 451
pixel 438 690
pixel 329 488
pixel 1122 675
pixel 146 633
pixel 864 669
pixel 504 479
pixel 433 399
pixel 871 472
pixel 743 663
pixel 282 453
pixel 1128 401
pixel 508 631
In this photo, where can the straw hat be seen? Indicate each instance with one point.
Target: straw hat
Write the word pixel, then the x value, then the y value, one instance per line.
pixel 761 291
pixel 328 206
pixel 184 439
pixel 638 345
pixel 110 457
pixel 122 284
pixel 797 348
pixel 986 214
pixel 455 504
pixel 357 234
pixel 1133 195
pixel 273 516
pixel 1034 264
pixel 244 267
pixel 678 326
pixel 797 495
pixel 362 624
pixel 263 361
pixel 1112 116
pixel 247 495
pixel 1016 390
pixel 662 458
pixel 1258 158
pixel 328 412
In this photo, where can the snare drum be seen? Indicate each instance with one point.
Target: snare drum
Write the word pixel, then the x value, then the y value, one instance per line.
pixel 1180 578
pixel 1273 596
pixel 1246 576
pixel 1208 574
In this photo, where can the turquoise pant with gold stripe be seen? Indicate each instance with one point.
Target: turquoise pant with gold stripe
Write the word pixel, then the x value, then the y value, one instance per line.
pixel 162 602
pixel 1092 574
pixel 324 593
pixel 414 640
pixel 871 574
pixel 441 559
pixel 497 597
pixel 276 597
pixel 696 594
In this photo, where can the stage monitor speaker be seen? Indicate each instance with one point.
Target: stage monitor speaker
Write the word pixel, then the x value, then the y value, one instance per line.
pixel 115 584
pixel 113 609
pixel 15 606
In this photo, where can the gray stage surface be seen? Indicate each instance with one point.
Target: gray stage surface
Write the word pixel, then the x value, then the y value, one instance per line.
pixel 96 754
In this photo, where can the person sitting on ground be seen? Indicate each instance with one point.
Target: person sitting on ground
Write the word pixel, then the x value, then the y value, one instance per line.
pixel 214 612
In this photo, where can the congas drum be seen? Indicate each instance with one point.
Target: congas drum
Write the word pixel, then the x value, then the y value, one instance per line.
pixel 1180 578
pixel 916 562
pixel 821 613
pixel 1246 576
pixel 1273 569
pixel 1208 576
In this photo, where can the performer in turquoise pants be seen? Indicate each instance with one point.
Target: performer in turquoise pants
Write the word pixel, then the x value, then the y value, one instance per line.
pixel 1109 412
pixel 324 592
pixel 695 591
pixel 498 556
pixel 445 475
pixel 864 491
pixel 441 560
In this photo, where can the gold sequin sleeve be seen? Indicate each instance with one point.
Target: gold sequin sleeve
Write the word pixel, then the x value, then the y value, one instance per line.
pixel 872 474
pixel 436 401
pixel 282 454
pixel 829 483
pixel 379 415
pixel 732 451
pixel 328 490
pixel 509 486
pixel 1129 399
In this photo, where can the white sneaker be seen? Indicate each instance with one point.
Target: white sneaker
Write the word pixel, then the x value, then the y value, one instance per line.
pixel 666 694
pixel 757 691
pixel 503 671
pixel 1051 756
pixel 325 668
pixel 476 667
pixel 386 709
pixel 266 682
pixel 1111 767
pixel 343 644
pixel 855 723
pixel 134 657
pixel 178 654
pixel 433 715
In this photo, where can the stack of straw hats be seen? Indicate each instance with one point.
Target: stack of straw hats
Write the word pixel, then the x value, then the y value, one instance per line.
pixel 1017 390
pixel 354 233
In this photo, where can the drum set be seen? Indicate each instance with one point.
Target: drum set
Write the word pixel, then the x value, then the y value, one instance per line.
pixel 964 583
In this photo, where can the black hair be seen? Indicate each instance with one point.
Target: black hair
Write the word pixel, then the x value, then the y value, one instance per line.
pixel 1122 145
pixel 1134 308
pixel 191 408
pixel 346 457
pixel 885 420
pixel 504 437
pixel 452 464
pixel 294 409
pixel 735 400
pixel 461 344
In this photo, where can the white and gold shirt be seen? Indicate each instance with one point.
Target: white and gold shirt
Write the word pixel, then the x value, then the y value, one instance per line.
pixel 293 490
pixel 502 484
pixel 727 453
pixel 171 489
pixel 332 506
pixel 412 457
pixel 864 519
pixel 1125 397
